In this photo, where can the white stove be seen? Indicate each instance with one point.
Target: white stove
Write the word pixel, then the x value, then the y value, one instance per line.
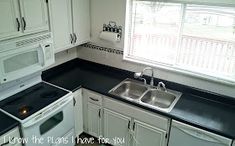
pixel 45 112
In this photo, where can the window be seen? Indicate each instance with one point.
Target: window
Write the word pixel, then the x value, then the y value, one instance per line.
pixel 188 38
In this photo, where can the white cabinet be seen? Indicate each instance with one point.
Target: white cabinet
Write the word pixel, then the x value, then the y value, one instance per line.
pixel 81 21
pixel 78 112
pixel 186 135
pixel 34 15
pixel 147 129
pixel 92 111
pixel 94 119
pixel 148 135
pixel 121 123
pixel 61 23
pixel 116 128
pixel 10 19
pixel 70 22
pixel 14 133
pixel 22 17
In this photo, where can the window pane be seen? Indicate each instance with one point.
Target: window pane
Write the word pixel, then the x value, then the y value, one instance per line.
pixel 207 43
pixel 198 39
pixel 155 31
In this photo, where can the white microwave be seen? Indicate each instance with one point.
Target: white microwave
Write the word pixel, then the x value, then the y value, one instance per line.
pixel 22 57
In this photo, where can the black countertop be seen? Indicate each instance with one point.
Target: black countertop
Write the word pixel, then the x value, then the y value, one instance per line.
pixel 6 123
pixel 214 113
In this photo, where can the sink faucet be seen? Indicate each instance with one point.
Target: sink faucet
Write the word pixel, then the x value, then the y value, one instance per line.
pixel 140 74
pixel 161 86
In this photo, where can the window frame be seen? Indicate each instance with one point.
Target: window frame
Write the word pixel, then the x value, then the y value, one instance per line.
pixel 167 67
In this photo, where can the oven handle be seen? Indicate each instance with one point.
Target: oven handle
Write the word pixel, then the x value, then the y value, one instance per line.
pixel 45 114
pixel 43 55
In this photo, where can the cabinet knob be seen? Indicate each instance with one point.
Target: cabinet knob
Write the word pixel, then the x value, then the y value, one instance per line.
pixel 129 124
pixel 94 99
pixel 71 38
pixel 99 113
pixel 75 38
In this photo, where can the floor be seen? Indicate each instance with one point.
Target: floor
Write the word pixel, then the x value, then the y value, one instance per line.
pixel 86 136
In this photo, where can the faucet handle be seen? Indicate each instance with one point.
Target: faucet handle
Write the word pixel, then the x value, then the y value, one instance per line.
pixel 161 86
pixel 138 75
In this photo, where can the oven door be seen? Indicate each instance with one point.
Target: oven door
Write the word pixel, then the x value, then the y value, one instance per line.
pixel 52 127
pixel 21 62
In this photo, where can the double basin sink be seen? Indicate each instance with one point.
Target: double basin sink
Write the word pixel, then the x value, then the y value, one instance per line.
pixel 152 97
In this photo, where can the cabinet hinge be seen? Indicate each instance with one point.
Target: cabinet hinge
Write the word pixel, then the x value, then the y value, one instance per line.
pixel 46 1
pixel 166 136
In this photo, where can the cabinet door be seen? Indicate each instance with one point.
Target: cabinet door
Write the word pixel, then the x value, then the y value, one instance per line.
pixel 148 135
pixel 94 119
pixel 116 128
pixel 81 20
pixel 4 139
pixel 61 23
pixel 34 15
pixel 78 112
pixel 10 19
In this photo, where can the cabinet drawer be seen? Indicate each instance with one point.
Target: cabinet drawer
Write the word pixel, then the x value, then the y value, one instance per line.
pixel 14 133
pixel 93 97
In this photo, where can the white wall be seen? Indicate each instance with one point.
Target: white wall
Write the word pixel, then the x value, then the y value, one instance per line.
pixel 103 11
pixel 64 56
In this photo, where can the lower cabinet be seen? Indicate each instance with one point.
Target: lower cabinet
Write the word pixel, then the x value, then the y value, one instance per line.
pixel 78 112
pixel 10 138
pixel 92 113
pixel 121 131
pixel 147 135
pixel 94 119
pixel 121 124
pixel 116 128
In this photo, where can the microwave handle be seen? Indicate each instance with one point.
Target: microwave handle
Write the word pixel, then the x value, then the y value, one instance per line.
pixel 43 55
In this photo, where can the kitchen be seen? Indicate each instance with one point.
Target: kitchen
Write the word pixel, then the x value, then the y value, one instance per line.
pixel 118 72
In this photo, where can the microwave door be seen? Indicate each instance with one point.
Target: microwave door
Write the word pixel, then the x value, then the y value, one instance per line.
pixel 21 62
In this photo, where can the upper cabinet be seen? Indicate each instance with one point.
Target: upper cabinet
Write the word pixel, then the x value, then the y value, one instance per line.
pixel 21 17
pixel 70 23
pixel 34 15
pixel 10 19
pixel 61 23
pixel 81 20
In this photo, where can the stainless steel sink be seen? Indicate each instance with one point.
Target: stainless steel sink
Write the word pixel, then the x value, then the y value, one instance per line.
pixel 145 95
pixel 129 89
pixel 162 100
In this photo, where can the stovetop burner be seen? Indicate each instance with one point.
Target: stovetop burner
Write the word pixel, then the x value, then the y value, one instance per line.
pixel 51 94
pixel 25 110
pixel 31 100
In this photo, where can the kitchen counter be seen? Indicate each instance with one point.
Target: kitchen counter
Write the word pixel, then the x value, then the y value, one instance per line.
pixel 6 123
pixel 211 112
